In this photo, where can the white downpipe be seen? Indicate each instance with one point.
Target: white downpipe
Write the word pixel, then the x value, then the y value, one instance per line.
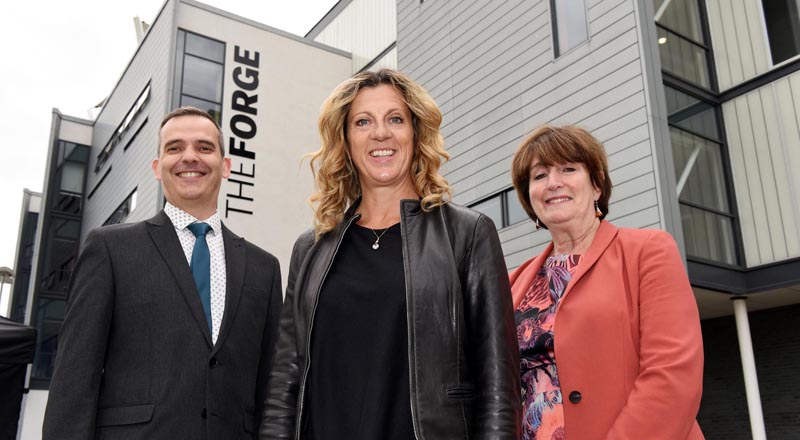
pixel 749 369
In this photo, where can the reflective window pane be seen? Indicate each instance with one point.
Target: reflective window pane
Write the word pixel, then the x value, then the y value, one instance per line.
pixel 46 348
pixel 66 229
pixel 570 27
pixel 516 213
pixel 691 113
pixel 205 47
pixel 698 168
pixel 493 208
pixel 202 79
pixel 213 109
pixel 783 28
pixel 707 235
pixel 72 177
pixel 682 58
pixel 682 16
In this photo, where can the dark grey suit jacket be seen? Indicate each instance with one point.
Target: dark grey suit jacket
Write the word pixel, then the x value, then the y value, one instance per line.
pixel 135 358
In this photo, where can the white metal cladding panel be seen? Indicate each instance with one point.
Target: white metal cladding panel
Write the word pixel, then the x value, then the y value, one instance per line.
pixel 388 61
pixel 738 40
pixel 131 168
pixel 490 67
pixel 364 28
pixel 763 131
pixel 77 132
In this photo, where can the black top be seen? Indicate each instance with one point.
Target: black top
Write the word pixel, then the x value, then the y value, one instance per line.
pixel 358 386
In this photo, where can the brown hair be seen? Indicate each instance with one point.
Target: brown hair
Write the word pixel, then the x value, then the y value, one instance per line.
pixel 190 111
pixel 553 145
pixel 335 175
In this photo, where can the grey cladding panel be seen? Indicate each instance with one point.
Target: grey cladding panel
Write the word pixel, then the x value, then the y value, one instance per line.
pixel 131 167
pixel 490 66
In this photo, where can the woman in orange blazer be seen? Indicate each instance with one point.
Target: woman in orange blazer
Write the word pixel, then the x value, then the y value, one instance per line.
pixel 607 325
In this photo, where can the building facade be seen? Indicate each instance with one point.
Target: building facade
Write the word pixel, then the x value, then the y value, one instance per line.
pixel 696 101
pixel 697 105
pixel 263 85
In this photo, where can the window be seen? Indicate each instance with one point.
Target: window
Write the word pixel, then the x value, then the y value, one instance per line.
pixel 681 43
pixel 782 19
pixel 702 187
pixel 61 229
pixel 123 127
pixel 123 210
pixel 504 208
pixel 570 26
pixel 199 71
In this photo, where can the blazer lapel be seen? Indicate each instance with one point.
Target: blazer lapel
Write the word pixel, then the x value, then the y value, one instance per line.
pixel 235 261
pixel 605 235
pixel 162 232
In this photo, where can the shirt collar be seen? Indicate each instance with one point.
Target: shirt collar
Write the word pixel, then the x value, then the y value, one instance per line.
pixel 181 219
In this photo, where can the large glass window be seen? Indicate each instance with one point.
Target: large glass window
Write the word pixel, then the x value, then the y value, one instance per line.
pixel 62 230
pixel 782 19
pixel 683 49
pixel 702 188
pixel 199 71
pixel 570 25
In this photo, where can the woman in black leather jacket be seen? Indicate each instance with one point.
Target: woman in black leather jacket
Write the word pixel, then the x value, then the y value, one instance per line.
pixel 397 322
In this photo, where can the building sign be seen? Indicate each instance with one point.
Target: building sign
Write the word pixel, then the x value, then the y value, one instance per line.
pixel 240 187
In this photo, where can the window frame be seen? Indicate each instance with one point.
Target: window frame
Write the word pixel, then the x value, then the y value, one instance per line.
pixel 181 53
pixel 554 29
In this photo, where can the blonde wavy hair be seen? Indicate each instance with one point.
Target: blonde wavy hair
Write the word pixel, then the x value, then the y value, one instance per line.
pixel 337 179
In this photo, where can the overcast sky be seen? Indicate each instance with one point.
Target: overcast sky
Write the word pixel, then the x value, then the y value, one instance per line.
pixel 68 55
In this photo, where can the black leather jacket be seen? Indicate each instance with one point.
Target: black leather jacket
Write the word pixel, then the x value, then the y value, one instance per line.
pixel 462 351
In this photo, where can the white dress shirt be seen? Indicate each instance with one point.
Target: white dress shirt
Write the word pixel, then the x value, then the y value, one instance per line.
pixel 181 221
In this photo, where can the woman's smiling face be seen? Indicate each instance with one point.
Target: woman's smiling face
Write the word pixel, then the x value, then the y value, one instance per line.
pixel 380 137
pixel 562 195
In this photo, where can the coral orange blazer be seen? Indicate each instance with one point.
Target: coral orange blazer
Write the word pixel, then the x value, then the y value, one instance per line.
pixel 628 346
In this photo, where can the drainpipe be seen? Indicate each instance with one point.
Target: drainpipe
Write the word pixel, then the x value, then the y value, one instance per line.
pixel 749 368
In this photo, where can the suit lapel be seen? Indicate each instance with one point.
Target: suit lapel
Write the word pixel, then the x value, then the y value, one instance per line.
pixel 605 235
pixel 162 232
pixel 235 259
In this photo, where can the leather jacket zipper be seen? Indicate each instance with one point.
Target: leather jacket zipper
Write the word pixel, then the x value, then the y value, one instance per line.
pixel 301 394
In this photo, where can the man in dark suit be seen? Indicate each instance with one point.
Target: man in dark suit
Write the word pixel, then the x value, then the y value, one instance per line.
pixel 170 322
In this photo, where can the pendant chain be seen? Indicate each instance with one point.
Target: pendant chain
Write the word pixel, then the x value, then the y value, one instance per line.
pixel 377 244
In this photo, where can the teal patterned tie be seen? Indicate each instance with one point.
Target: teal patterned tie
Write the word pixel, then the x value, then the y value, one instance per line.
pixel 201 266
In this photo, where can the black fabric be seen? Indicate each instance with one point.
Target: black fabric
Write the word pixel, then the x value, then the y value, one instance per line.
pixel 17 342
pixel 358 385
pixel 17 346
pixel 463 355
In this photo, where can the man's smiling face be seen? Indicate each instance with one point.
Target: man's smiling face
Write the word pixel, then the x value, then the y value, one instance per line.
pixel 190 165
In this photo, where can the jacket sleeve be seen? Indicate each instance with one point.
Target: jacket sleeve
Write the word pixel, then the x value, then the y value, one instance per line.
pixel 665 398
pixel 280 408
pixel 74 390
pixel 493 355
pixel 270 335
